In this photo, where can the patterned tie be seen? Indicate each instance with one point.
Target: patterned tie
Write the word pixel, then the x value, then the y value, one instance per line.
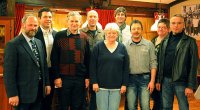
pixel 35 51
pixel 36 54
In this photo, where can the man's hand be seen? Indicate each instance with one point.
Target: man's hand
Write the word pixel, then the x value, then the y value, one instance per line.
pixel 123 89
pixel 188 92
pixel 87 81
pixel 47 90
pixel 58 83
pixel 150 86
pixel 95 87
pixel 158 86
pixel 14 101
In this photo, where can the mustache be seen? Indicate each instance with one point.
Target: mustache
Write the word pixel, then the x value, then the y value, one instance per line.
pixel 136 33
pixel 31 33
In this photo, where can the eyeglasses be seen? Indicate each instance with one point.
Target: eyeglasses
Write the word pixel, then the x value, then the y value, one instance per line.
pixel 162 27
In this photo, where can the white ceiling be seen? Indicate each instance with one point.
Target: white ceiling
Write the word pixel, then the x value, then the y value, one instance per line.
pixel 155 1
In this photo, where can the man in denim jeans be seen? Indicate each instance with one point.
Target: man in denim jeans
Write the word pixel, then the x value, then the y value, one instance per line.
pixel 178 60
pixel 143 63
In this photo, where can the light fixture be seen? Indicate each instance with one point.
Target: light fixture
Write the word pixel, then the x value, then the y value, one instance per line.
pixel 157 16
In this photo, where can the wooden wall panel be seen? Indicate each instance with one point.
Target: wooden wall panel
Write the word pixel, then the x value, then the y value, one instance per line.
pixel 78 4
pixel 3 98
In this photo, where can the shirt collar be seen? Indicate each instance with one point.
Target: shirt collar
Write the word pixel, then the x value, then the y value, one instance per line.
pixel 69 33
pixel 142 42
pixel 86 29
pixel 45 31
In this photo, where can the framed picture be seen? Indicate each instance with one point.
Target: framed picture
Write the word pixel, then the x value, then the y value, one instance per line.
pixel 191 15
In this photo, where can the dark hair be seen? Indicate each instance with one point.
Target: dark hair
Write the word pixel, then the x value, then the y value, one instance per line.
pixel 165 21
pixel 135 22
pixel 120 9
pixel 44 9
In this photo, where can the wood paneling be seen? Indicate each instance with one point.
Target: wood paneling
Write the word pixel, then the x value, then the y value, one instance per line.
pixel 139 9
pixel 3 98
pixel 7 33
pixel 137 4
pixel 78 4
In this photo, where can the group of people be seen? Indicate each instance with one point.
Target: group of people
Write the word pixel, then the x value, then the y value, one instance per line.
pixel 111 62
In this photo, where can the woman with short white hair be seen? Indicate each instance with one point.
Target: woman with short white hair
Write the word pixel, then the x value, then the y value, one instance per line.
pixel 109 69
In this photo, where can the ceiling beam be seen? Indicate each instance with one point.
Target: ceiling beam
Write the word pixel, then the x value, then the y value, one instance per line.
pixel 176 2
pixel 138 4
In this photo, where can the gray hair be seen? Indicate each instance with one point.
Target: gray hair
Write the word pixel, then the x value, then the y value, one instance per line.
pixel 112 26
pixel 27 16
pixel 74 13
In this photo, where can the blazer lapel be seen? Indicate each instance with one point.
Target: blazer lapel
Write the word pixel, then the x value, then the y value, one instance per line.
pixel 25 44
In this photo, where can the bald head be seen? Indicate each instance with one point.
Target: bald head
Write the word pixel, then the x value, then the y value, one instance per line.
pixel 92 12
pixel 92 18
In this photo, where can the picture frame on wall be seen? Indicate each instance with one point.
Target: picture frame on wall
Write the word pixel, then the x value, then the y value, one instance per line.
pixel 191 14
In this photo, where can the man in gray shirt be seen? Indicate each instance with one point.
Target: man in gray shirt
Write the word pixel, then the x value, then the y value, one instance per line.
pixel 142 64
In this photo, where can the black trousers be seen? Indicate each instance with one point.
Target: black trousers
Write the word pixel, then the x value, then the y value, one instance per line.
pixel 157 100
pixel 71 95
pixel 93 105
pixel 47 101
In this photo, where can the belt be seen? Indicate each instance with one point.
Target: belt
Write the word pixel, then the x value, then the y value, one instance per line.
pixel 148 73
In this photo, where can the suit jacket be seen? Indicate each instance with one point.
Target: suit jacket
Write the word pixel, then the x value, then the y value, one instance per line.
pixel 21 73
pixel 40 36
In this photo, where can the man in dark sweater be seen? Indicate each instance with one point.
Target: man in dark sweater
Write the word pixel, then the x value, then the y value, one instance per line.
pixel 70 58
pixel 178 60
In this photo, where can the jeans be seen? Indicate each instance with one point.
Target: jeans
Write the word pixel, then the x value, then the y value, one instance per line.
pixel 170 88
pixel 108 99
pixel 137 89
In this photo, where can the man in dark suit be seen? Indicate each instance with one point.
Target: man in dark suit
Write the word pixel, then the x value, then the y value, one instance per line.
pixel 25 68
pixel 46 34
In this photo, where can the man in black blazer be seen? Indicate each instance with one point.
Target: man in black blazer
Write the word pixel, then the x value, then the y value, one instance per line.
pixel 46 34
pixel 25 71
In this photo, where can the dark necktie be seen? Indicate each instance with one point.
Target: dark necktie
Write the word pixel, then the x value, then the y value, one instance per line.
pixel 35 51
pixel 36 54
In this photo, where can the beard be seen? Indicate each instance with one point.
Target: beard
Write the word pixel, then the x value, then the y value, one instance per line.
pixel 30 33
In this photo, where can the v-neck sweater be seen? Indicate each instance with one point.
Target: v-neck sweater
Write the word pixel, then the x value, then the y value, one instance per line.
pixel 109 69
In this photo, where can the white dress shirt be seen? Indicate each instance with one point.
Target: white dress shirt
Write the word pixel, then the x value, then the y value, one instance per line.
pixel 48 39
